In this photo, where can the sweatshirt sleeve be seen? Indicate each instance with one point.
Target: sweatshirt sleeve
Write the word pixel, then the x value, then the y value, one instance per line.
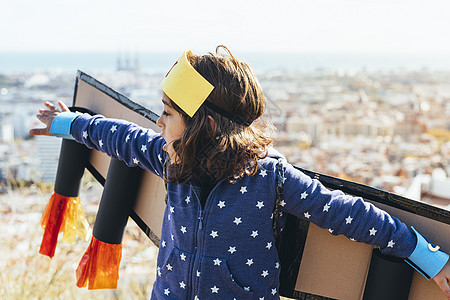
pixel 135 145
pixel 344 214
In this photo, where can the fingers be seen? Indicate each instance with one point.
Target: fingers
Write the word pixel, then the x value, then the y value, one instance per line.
pixel 442 280
pixel 45 112
pixel 53 108
pixel 39 131
pixel 44 116
pixel 63 106
pixel 50 106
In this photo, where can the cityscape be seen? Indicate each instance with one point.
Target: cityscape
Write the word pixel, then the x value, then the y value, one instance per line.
pixel 380 128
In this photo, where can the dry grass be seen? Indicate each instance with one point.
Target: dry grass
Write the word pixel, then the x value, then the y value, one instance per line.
pixel 26 274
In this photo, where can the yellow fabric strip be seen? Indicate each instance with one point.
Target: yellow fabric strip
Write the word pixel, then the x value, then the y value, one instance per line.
pixel 185 86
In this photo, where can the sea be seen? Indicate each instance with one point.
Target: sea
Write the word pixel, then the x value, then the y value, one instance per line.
pixel 260 61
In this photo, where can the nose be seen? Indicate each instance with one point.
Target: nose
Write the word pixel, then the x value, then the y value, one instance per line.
pixel 159 122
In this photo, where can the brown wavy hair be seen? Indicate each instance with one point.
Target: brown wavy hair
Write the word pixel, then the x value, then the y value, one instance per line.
pixel 209 151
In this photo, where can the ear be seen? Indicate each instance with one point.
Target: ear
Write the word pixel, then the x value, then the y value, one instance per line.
pixel 212 126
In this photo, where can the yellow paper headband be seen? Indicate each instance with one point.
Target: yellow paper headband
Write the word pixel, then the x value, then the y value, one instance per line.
pixel 185 86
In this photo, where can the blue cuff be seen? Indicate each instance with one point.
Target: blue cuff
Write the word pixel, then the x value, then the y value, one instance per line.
pixel 426 258
pixel 62 125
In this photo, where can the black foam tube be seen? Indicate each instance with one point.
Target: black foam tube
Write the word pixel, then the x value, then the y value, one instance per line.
pixel 388 278
pixel 73 158
pixel 117 202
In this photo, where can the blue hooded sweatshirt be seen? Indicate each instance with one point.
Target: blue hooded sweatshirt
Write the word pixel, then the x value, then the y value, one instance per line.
pixel 225 250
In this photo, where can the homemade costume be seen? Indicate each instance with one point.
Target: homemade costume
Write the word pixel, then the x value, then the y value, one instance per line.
pixel 226 249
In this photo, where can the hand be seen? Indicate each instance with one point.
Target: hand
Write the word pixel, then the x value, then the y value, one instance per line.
pixel 46 116
pixel 443 278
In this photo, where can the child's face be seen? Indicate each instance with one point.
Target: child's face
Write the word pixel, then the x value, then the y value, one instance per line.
pixel 172 125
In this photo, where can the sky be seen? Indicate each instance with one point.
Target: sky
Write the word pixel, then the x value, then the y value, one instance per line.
pixel 246 25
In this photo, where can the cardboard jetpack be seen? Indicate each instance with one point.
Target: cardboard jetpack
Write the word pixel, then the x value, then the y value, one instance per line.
pixel 314 263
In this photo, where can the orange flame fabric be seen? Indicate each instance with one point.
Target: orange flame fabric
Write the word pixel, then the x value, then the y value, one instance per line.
pixel 99 265
pixel 62 214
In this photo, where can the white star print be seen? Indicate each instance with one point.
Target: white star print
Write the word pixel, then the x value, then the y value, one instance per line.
pixel 172 209
pixel 85 134
pixel 243 189
pixel 182 285
pixel 100 143
pixel 237 221
pixel 169 267
pixel 196 298
pixel 260 204
pixel 127 138
pixel 96 122
pixel 326 207
pixel 215 290
pixel 261 298
pixel 217 262
pixel 269 245
pixel 304 195
pixel 247 289
pixel 373 231
pixel 163 244
pixel 274 291
pixel 307 215
pixel 183 257
pixel 159 272
pixel 391 244
pixel 166 292
pixel 198 273
pixel 214 234
pixel 263 173
pixel 135 160
pixel 265 273
pixel 171 236
pixel 277 265
pixel 353 240
pixel 113 128
pixel 232 250
pixel 330 230
pixel 249 262
pixel 282 203
pixel 254 234
pixel 144 148
pixel 188 199
pixel 183 229
pixel 348 220
pixel 221 204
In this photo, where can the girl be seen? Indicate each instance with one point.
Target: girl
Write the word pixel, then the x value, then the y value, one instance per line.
pixel 214 153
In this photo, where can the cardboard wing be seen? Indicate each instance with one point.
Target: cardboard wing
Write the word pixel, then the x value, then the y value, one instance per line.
pixel 96 97
pixel 314 263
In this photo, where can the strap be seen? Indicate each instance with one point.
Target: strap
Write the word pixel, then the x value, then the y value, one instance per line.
pixel 279 196
pixel 227 114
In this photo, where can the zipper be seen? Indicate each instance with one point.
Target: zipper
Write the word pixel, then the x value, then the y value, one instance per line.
pixel 196 266
pixel 200 217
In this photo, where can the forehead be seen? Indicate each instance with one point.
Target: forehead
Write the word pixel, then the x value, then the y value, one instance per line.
pixel 166 100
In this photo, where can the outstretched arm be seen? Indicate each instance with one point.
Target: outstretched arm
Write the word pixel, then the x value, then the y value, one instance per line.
pixel 135 145
pixel 46 116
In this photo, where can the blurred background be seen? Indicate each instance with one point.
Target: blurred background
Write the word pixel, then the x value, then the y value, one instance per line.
pixel 357 89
